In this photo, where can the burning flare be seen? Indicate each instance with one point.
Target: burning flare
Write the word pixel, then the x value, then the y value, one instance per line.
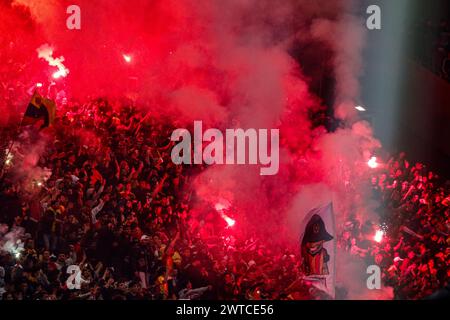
pixel 46 52
pixel 9 158
pixel 378 236
pixel 127 58
pixel 372 163
pixel 220 207
pixel 230 222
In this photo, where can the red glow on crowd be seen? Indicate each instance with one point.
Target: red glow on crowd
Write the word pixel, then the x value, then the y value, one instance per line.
pixel 104 166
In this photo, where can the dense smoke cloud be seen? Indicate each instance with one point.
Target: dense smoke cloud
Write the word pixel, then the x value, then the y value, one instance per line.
pixel 346 39
pixel 352 278
pixel 226 63
pixel 11 239
pixel 25 165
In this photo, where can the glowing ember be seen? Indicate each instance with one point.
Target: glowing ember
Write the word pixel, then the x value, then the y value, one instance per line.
pixel 378 236
pixel 127 58
pixel 372 163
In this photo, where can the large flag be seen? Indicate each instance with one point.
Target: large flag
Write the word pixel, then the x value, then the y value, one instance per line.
pixel 38 109
pixel 318 248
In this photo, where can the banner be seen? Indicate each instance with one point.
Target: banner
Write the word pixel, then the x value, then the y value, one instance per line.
pixel 38 109
pixel 318 248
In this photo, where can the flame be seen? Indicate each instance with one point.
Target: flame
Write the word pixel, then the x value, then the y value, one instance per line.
pixel 127 58
pixel 372 163
pixel 230 222
pixel 378 236
pixel 58 74
pixel 220 206
pixel 9 158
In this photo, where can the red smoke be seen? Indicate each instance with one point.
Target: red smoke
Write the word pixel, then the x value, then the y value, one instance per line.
pixel 225 63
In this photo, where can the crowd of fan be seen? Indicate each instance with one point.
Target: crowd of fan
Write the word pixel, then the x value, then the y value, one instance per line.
pixel 115 205
pixel 414 254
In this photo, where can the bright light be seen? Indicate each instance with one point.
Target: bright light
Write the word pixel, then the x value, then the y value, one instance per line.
pixel 360 108
pixel 39 85
pixel 127 58
pixel 220 207
pixel 9 159
pixel 46 52
pixel 372 163
pixel 230 222
pixel 378 236
pixel 16 251
pixel 60 73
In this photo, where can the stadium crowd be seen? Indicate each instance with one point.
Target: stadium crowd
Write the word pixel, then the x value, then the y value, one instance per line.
pixel 414 205
pixel 114 204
